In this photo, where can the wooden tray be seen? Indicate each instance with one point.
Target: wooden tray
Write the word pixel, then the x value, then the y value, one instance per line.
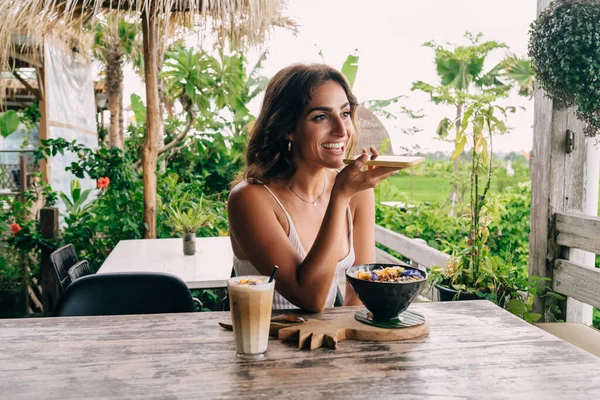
pixel 315 334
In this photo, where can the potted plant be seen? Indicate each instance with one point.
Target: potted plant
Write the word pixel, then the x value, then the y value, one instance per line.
pixel 564 48
pixel 472 272
pixel 187 217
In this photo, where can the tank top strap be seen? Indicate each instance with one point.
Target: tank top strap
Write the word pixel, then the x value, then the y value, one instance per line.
pixel 292 228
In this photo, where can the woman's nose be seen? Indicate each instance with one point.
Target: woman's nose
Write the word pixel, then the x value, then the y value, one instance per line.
pixel 339 127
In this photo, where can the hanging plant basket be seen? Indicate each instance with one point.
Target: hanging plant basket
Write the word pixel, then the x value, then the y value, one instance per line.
pixel 564 46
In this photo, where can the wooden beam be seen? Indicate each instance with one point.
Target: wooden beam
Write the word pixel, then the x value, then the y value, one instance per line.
pixel 577 281
pixel 31 89
pixel 153 122
pixel 557 180
pixel 409 248
pixel 34 62
pixel 578 231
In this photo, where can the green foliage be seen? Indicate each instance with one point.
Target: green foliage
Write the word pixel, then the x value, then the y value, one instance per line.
pixel 94 231
pixel 213 159
pixel 9 123
pixel 76 205
pixel 462 78
pixel 116 35
pixel 563 45
pixel 20 248
pixel 139 109
pixel 350 67
pixel 477 127
pixel 199 168
pixel 187 216
pixel 206 85
pixel 521 72
pixel 31 115
pixel 509 232
pixel 171 188
pixel 432 224
pixel 461 73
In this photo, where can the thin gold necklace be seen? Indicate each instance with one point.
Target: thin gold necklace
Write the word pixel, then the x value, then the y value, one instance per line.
pixel 314 203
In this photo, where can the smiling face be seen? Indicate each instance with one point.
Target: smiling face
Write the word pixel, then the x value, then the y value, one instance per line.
pixel 324 129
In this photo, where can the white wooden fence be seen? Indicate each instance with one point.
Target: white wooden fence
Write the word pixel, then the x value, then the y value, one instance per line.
pixel 577 231
pixel 413 249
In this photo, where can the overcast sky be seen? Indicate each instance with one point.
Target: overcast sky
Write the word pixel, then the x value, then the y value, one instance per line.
pixel 389 35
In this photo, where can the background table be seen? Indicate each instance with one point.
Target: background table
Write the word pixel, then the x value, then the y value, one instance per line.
pixel 209 268
pixel 475 350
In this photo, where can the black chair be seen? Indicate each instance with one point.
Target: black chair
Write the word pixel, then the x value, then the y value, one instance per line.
pixel 225 306
pixel 82 268
pixel 125 293
pixel 62 260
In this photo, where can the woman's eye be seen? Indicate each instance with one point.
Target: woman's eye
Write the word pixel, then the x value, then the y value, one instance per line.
pixel 346 114
pixel 319 117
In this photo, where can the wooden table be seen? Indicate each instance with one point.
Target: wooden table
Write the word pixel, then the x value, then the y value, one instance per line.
pixel 475 350
pixel 209 268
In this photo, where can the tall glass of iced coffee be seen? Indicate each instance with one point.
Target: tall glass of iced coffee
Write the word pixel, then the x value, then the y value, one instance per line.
pixel 251 299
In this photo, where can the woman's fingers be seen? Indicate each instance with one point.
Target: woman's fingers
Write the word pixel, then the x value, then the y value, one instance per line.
pixel 374 152
pixel 360 161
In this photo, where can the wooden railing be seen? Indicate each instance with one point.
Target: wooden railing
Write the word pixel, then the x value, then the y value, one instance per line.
pixel 14 178
pixel 572 279
pixel 413 249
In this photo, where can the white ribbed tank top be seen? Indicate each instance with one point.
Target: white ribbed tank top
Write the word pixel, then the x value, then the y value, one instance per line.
pixel 244 267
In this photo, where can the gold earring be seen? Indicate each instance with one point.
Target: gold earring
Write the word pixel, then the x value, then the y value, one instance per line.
pixel 289 145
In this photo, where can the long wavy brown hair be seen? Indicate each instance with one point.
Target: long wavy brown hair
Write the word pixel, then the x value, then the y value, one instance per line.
pixel 288 94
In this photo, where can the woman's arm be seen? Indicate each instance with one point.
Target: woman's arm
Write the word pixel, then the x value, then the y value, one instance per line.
pixel 254 225
pixel 363 216
pixel 256 230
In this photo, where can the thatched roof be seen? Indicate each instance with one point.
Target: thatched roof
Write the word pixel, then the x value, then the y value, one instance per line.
pixel 371 131
pixel 241 21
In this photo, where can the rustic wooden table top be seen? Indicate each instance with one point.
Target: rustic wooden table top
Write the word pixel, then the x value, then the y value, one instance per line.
pixel 209 268
pixel 474 350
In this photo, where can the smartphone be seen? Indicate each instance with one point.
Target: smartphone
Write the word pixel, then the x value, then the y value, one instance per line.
pixel 392 161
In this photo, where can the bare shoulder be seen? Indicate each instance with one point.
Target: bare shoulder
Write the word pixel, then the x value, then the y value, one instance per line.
pixel 244 191
pixel 246 194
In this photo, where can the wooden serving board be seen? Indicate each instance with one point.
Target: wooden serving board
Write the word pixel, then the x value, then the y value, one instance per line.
pixel 315 334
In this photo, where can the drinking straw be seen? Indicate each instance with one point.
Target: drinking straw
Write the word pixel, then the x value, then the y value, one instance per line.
pixel 275 268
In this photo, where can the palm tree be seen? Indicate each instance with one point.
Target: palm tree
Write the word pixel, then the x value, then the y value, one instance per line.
pixel 463 79
pixel 116 42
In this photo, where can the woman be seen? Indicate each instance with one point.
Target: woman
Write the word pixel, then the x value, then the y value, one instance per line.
pixel 290 207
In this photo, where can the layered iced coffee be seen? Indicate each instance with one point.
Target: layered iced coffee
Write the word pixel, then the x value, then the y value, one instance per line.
pixel 251 299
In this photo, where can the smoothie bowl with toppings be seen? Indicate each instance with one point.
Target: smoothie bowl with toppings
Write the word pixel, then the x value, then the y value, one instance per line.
pixel 386 289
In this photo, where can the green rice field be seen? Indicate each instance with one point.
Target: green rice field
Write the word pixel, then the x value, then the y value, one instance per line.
pixel 418 189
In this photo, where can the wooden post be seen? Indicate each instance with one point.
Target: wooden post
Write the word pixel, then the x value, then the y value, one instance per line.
pixel 557 176
pixel 22 177
pixel 48 229
pixel 43 128
pixel 153 121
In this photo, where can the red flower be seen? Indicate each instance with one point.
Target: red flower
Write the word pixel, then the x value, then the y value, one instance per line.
pixel 15 228
pixel 103 183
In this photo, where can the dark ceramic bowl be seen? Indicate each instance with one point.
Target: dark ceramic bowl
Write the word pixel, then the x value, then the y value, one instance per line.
pixel 385 300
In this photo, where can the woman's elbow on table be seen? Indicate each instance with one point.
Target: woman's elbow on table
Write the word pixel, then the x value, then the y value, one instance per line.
pixel 306 299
